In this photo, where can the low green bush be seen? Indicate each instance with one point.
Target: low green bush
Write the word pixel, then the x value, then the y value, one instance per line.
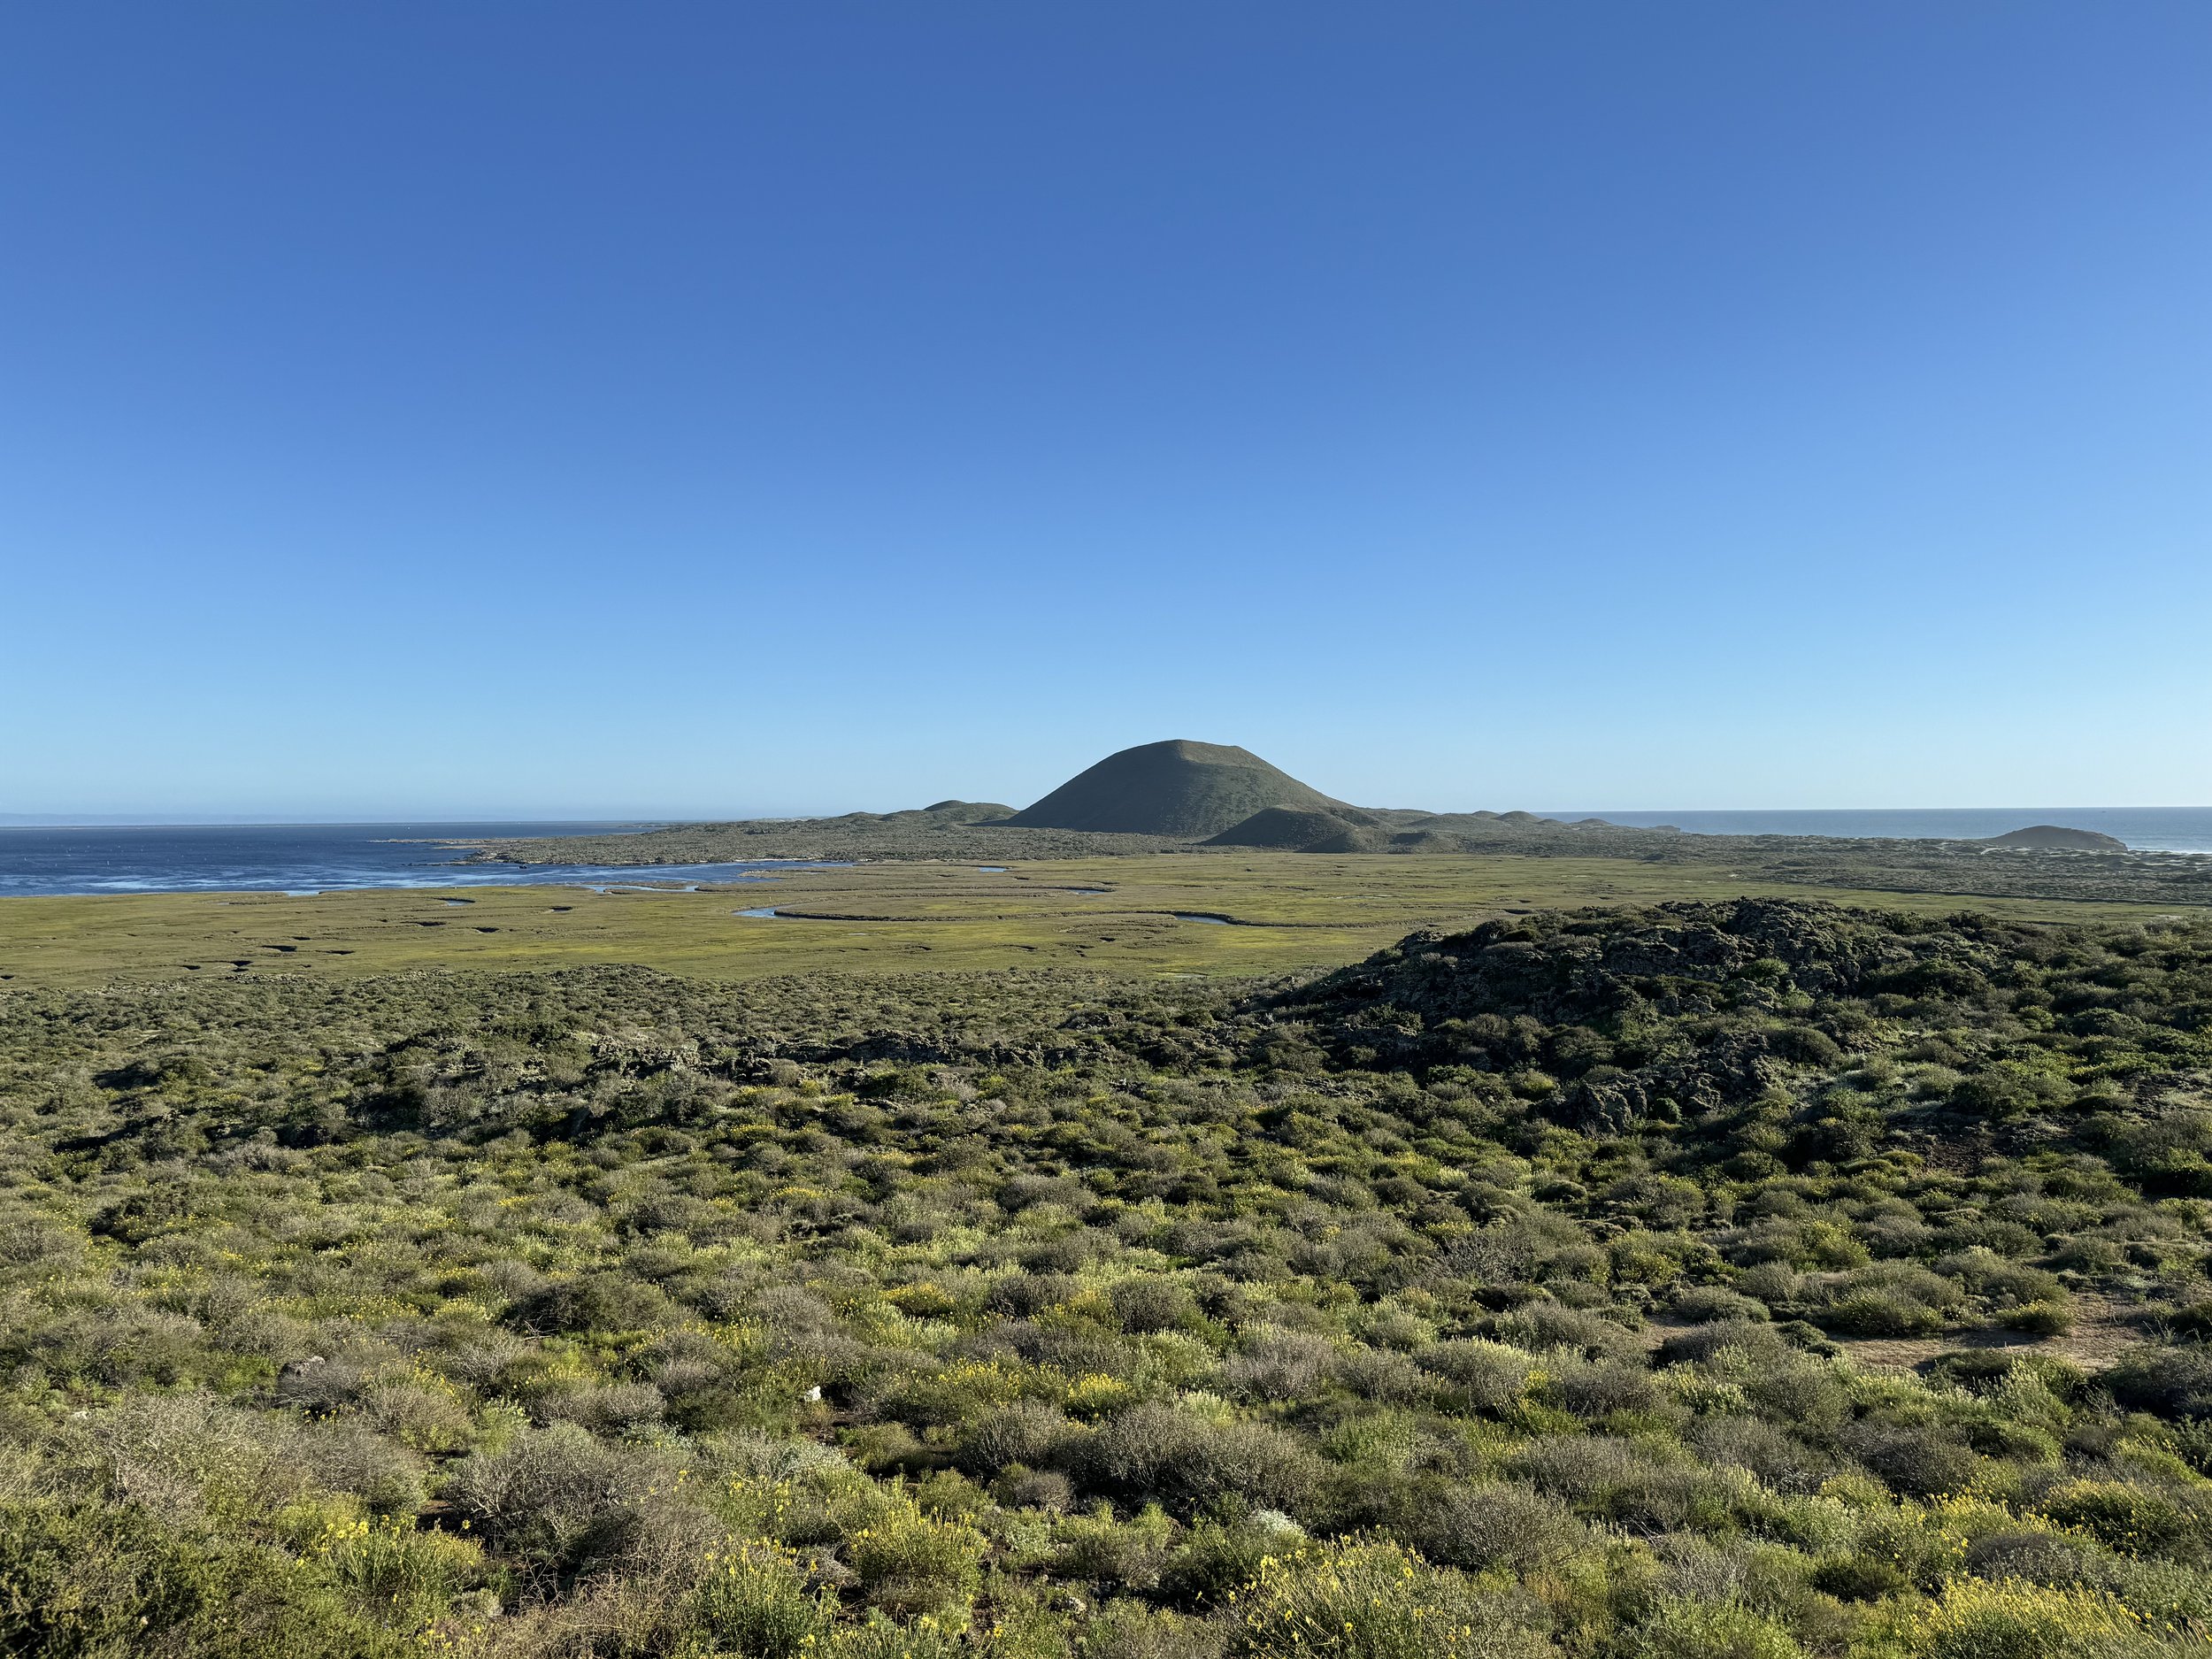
pixel 1680 1628
pixel 1376 1601
pixel 754 1600
pixel 909 1565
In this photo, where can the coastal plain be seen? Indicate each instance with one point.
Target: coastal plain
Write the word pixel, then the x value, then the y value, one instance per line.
pixel 1215 914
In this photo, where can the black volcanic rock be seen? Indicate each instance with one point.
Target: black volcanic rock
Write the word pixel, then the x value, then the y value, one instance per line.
pixel 1482 998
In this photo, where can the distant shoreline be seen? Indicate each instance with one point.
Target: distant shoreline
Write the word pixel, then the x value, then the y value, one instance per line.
pixel 2144 829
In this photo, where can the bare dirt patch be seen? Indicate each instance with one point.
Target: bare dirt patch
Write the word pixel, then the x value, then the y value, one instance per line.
pixel 2101 1331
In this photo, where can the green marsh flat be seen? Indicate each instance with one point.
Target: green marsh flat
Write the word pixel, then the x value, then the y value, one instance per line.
pixel 1297 912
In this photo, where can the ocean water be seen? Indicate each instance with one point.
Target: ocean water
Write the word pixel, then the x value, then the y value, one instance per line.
pixel 2173 829
pixel 316 858
pixel 304 859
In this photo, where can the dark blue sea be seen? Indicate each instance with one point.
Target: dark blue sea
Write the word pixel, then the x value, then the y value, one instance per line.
pixel 304 859
pixel 2172 829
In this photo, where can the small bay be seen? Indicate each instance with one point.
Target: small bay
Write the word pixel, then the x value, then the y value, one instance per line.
pixel 306 858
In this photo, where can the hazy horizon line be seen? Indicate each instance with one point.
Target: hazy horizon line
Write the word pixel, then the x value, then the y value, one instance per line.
pixel 645 820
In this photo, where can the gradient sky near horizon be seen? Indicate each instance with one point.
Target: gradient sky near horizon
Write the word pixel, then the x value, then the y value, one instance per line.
pixel 442 408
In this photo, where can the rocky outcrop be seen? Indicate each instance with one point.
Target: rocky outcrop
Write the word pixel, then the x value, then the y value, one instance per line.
pixel 1566 994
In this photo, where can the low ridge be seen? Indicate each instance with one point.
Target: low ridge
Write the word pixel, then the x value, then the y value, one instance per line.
pixel 1178 788
pixel 2046 837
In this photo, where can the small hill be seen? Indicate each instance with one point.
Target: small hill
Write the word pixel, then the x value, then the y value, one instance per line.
pixel 1178 788
pixel 1299 830
pixel 1351 839
pixel 1427 840
pixel 967 811
pixel 2048 837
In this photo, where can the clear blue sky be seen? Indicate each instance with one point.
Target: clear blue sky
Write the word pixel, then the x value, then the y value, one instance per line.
pixel 460 409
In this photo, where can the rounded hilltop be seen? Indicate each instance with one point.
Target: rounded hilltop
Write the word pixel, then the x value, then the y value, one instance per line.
pixel 1301 830
pixel 1178 788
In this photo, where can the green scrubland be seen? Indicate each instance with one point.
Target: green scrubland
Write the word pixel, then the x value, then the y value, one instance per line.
pixel 1738 1279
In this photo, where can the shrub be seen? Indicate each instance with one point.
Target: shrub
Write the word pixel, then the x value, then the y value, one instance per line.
pixel 912 1566
pixel 948 1495
pixel 417 1414
pixel 1609 1479
pixel 188 1456
pixel 1156 1452
pixel 1027 1432
pixel 613 1409
pixel 349 1454
pixel 1127 1630
pixel 655 1546
pixel 927 1637
pixel 1026 1296
pixel 118 1346
pixel 1102 1550
pixel 1975 1619
pixel 1394 1327
pixel 1597 1391
pixel 2038 1557
pixel 1485 1375
pixel 1548 1324
pixel 542 1495
pixel 1875 1310
pixel 1486 1526
pixel 1991 1372
pixel 1372 1440
pixel 1757 1343
pixel 1376 1601
pixel 399 1575
pixel 1578 1470
pixel 595 1302
pixel 1808 1398
pixel 101 1581
pixel 2172 1381
pixel 1381 1375
pixel 1710 1304
pixel 755 1600
pixel 1773 1453
pixel 2134 1519
pixel 2191 1323
pixel 494 1360
pixel 354 1174
pixel 316 1384
pixel 1212 1559
pixel 1149 1303
pixel 1278 1366
pixel 1680 1628
pixel 1859 1578
pixel 1020 1488
pixel 1911 1457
